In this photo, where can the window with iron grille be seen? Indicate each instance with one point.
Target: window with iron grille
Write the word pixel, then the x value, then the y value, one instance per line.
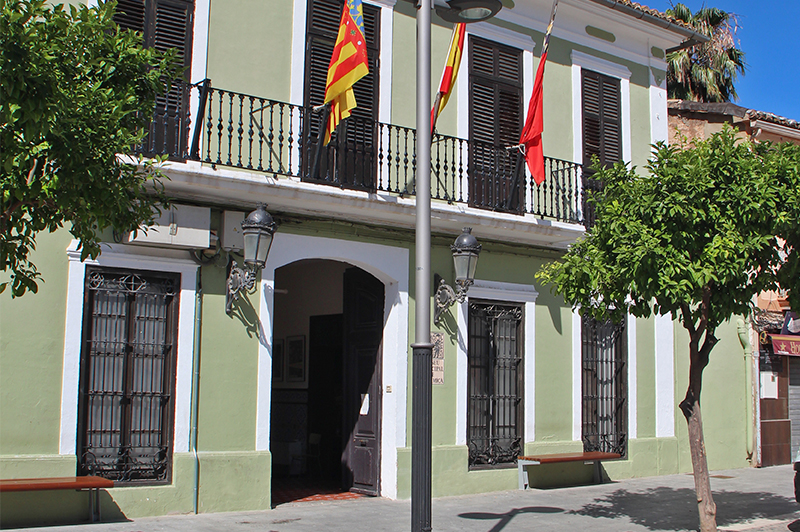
pixel 127 375
pixel 495 118
pixel 349 159
pixel 495 409
pixel 605 386
pixel 165 25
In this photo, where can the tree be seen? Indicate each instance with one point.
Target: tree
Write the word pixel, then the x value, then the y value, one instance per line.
pixel 705 72
pixel 75 94
pixel 695 238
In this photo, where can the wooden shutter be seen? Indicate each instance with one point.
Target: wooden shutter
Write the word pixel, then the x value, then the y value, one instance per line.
pixel 602 131
pixel 602 123
pixel 347 161
pixel 165 25
pixel 495 103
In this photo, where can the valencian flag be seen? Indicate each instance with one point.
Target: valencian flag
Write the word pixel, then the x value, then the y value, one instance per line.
pixel 531 138
pixel 450 72
pixel 348 65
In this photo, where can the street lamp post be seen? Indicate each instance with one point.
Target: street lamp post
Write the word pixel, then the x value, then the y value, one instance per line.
pixel 421 414
pixel 422 391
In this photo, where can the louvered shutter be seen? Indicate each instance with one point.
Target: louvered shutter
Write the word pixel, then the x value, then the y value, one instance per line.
pixel 349 159
pixel 165 25
pixel 601 118
pixel 602 130
pixel 495 122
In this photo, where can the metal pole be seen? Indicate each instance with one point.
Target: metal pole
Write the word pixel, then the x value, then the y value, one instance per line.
pixel 421 411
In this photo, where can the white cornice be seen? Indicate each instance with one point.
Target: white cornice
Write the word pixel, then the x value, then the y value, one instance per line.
pixel 776 129
pixel 229 188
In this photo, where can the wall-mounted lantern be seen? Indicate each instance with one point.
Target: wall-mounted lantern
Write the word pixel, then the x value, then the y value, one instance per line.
pixel 257 230
pixel 465 258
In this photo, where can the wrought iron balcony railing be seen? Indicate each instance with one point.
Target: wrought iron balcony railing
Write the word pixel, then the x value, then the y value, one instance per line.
pixel 263 135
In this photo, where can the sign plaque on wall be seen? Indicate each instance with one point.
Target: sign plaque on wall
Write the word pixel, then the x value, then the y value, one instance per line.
pixel 437 339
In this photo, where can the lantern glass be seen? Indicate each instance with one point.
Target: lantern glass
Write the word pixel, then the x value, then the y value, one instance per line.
pixel 465 265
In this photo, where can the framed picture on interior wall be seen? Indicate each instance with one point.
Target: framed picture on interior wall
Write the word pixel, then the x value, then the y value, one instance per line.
pixel 278 363
pixel 296 362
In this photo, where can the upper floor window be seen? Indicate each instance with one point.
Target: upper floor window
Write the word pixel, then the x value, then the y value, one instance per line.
pixel 349 159
pixel 602 129
pixel 165 25
pixel 495 118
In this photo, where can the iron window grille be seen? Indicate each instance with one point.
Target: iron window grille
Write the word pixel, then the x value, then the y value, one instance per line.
pixel 605 386
pixel 127 375
pixel 495 410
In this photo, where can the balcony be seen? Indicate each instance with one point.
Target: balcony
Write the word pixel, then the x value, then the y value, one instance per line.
pixel 281 140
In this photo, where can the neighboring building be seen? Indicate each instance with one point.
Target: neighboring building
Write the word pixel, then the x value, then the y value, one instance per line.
pixel 776 371
pixel 129 367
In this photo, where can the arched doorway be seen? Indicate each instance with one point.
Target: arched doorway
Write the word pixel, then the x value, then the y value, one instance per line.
pixel 326 387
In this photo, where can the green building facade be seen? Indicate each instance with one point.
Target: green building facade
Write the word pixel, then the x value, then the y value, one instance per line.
pixel 129 366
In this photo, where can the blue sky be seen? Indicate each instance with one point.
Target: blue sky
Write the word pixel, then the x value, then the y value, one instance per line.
pixel 768 35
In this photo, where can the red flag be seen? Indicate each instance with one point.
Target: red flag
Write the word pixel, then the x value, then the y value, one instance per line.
pixel 450 72
pixel 348 65
pixel 531 138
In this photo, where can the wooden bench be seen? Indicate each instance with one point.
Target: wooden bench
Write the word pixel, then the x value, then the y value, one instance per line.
pixel 93 484
pixel 594 457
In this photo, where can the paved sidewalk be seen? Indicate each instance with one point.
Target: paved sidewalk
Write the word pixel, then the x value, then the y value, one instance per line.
pixel 748 500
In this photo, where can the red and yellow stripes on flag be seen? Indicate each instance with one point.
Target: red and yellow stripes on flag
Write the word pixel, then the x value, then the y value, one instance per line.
pixel 348 65
pixel 531 138
pixel 450 72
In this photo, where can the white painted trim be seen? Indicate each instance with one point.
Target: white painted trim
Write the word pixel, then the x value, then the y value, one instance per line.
pixel 581 60
pixel 659 126
pixel 570 27
pixel 577 402
pixel 134 258
pixel 199 67
pixel 602 66
pixel 501 292
pixel 298 50
pixel 632 382
pixel 487 30
pixel 391 266
pixel 665 377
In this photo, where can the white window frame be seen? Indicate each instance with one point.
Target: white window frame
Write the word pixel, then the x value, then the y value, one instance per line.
pixel 127 257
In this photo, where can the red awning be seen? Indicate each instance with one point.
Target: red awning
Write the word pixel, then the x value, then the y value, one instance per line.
pixel 783 344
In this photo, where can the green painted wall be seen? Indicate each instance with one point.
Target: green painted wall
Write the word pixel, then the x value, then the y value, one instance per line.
pixel 249 47
pixel 228 369
pixel 645 379
pixel 31 355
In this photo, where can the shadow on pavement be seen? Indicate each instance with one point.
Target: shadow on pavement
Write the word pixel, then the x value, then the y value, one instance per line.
pixel 794 526
pixel 505 518
pixel 676 509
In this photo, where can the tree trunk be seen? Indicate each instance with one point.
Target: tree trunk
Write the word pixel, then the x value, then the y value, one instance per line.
pixel 702 482
pixel 690 406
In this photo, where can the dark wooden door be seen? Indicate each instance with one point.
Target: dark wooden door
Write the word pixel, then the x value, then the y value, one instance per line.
pixel 775 424
pixel 363 334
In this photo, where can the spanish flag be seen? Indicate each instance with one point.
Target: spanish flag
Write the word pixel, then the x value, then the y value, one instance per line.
pixel 348 65
pixel 531 138
pixel 450 72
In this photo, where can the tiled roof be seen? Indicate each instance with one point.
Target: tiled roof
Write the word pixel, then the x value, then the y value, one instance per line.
pixel 653 12
pixel 646 11
pixel 752 114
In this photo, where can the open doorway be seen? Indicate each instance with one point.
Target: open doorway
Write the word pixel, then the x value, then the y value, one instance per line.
pixel 325 414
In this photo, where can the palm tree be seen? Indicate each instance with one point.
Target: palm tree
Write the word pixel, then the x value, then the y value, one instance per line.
pixel 705 72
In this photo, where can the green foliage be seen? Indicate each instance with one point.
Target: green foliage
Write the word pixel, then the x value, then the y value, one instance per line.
pixel 75 93
pixel 705 72
pixel 703 223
